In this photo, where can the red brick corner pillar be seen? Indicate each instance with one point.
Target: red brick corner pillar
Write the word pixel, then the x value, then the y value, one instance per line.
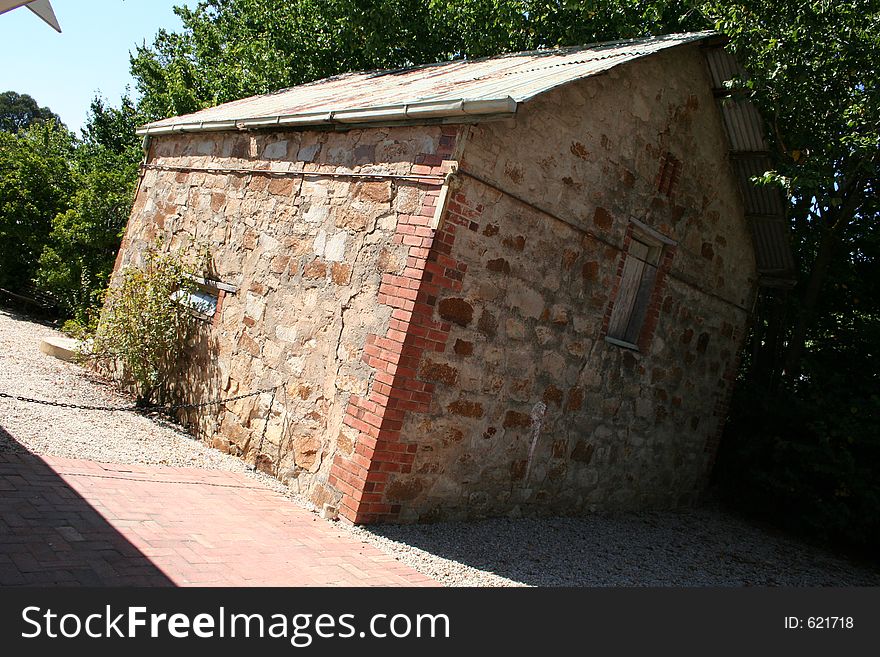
pixel 381 450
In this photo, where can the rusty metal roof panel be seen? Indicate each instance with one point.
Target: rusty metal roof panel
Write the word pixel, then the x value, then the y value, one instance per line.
pixel 758 199
pixel 744 125
pixel 493 85
pixel 772 252
pixel 723 67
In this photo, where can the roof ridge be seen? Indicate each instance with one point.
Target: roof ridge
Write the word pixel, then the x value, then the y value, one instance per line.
pixel 488 86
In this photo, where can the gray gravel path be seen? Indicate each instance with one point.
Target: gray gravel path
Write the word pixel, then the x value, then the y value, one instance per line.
pixel 702 547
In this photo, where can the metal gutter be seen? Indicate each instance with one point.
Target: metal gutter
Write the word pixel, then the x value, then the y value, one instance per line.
pixel 424 178
pixel 460 108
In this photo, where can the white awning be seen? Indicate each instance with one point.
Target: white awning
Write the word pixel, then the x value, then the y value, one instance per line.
pixel 42 8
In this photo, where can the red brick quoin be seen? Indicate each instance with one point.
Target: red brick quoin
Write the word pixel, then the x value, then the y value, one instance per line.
pixel 381 450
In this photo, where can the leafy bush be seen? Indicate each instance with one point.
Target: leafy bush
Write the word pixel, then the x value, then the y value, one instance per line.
pixel 143 328
pixel 806 461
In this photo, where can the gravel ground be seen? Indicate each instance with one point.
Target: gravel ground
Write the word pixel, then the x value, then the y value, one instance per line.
pixel 701 547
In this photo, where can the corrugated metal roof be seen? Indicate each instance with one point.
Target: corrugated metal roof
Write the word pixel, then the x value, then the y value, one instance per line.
pixel 458 88
pixel 764 205
pixel 464 90
pixel 772 253
pixel 744 125
pixel 723 67
pixel 758 199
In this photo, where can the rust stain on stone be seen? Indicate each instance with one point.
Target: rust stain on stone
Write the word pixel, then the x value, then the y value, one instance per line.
pixel 590 270
pixel 553 395
pixel 463 348
pixel 514 172
pixel 517 243
pixel 281 186
pixel 575 399
pixel 487 324
pixel 340 273
pixel 583 452
pixel 453 436
pixel 315 269
pixel 602 218
pixel 218 200
pixel 344 444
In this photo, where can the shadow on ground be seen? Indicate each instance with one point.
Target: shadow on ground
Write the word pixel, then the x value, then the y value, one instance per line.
pixel 696 547
pixel 51 536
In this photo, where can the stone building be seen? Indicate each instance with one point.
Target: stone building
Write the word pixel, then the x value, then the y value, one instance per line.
pixel 510 285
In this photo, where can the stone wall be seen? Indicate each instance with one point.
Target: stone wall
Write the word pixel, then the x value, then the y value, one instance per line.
pixel 530 410
pixel 307 246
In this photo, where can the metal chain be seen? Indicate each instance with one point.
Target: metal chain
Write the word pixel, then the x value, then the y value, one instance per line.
pixel 265 426
pixel 151 407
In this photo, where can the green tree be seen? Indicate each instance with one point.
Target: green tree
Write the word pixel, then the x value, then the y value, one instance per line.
pixel 19 111
pixel 144 328
pixel 35 185
pixel 802 443
pixel 813 70
pixel 235 48
pixel 79 251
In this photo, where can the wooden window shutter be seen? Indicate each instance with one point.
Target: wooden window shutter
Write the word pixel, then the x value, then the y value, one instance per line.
pixel 634 291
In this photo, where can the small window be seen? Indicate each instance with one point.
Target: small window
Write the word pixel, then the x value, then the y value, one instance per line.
pixel 635 290
pixel 200 302
pixel 207 297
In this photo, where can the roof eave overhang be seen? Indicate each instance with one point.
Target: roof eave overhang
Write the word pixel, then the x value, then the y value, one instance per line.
pixel 460 110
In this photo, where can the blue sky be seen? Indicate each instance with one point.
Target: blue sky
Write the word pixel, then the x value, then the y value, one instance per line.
pixel 65 71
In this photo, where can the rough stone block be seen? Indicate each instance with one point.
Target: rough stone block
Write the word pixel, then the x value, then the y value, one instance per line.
pixel 456 310
pixel 315 269
pixel 440 372
pixel 340 273
pixel 466 408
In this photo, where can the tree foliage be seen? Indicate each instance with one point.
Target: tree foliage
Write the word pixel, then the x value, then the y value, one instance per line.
pixel 802 442
pixel 143 327
pixel 814 76
pixel 79 251
pixel 64 203
pixel 20 111
pixel 36 182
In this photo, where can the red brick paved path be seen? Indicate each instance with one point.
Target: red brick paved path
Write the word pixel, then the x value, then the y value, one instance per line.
pixel 74 522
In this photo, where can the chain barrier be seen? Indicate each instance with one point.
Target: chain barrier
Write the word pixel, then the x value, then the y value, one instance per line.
pixel 265 427
pixel 135 407
pixel 155 407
